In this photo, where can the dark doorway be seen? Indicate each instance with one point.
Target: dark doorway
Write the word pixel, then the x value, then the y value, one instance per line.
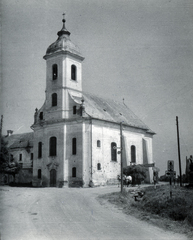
pixel 53 178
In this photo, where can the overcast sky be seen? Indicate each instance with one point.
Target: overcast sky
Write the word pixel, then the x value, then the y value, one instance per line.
pixel 139 50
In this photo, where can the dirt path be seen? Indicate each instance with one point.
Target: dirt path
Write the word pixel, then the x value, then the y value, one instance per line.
pixel 63 213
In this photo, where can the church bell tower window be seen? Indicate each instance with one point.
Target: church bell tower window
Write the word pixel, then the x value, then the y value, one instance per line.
pixel 54 71
pixel 74 146
pixel 73 72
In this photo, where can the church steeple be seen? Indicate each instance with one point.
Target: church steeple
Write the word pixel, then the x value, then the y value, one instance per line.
pixel 63 30
pixel 63 44
pixel 63 75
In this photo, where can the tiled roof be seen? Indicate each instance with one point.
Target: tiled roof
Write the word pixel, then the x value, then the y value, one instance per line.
pixel 22 140
pixel 110 110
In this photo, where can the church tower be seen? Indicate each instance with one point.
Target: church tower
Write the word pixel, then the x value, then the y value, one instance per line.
pixel 63 75
pixel 56 132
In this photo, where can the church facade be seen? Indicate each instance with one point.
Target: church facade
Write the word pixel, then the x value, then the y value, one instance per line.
pixel 76 134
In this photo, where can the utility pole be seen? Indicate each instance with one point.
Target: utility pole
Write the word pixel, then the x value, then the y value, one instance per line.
pixel 178 139
pixel 1 126
pixel 121 148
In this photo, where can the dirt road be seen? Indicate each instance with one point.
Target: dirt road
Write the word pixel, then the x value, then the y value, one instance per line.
pixel 69 214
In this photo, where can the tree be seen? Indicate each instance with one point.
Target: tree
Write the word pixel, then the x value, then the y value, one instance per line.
pixel 137 172
pixel 4 155
pixel 7 165
pixel 12 168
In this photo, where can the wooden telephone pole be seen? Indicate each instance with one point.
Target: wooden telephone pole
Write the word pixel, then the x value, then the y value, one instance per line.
pixel 121 150
pixel 178 139
pixel 1 126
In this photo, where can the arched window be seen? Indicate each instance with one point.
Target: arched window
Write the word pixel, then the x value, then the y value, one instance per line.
pixel 133 154
pixel 73 172
pixel 98 166
pixel 41 116
pixel 98 143
pixel 74 109
pixel 74 146
pixel 54 71
pixel 54 99
pixel 53 146
pixel 73 72
pixel 40 150
pixel 113 151
pixel 39 173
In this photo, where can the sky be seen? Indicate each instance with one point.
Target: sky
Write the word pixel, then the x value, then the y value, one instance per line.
pixel 141 51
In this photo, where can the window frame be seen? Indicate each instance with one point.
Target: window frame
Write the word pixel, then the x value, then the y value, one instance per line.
pixel 74 172
pixel 53 146
pixel 74 146
pixel 98 143
pixel 39 149
pixel 73 72
pixel 98 166
pixel 54 71
pixel 39 173
pixel 54 99
pixel 74 110
pixel 133 154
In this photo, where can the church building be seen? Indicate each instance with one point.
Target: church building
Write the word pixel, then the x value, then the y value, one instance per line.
pixel 76 134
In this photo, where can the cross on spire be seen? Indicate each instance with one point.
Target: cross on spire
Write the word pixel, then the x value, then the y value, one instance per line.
pixel 63 17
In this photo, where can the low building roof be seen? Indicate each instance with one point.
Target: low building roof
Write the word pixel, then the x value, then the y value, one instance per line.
pixel 22 140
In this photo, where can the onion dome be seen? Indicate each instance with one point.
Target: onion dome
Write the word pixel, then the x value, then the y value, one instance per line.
pixel 63 44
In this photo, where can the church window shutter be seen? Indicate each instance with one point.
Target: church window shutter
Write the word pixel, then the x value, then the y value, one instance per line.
pixel 53 146
pixel 74 146
pixel 133 154
pixel 113 151
pixel 54 99
pixel 40 150
pixel 73 72
pixel 54 71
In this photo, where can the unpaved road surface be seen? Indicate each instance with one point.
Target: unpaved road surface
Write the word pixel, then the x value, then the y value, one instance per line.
pixel 69 214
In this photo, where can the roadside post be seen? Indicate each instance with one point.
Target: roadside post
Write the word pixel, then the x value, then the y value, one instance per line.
pixel 120 152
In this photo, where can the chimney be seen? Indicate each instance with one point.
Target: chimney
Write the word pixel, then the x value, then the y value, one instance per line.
pixel 9 133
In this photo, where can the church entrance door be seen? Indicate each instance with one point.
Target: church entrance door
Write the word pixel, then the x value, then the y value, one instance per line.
pixel 53 178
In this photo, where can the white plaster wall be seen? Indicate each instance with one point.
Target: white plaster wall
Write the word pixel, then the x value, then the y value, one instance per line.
pixel 86 153
pixel 109 169
pixel 107 133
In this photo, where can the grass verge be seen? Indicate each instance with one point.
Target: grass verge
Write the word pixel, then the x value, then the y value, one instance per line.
pixel 157 206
